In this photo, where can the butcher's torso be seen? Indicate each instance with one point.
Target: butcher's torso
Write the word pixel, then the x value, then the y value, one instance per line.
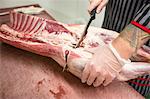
pixel 119 14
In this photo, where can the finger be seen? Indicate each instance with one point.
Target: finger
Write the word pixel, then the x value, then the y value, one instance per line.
pixel 85 73
pixel 94 4
pixel 138 58
pixel 92 76
pixel 146 48
pixel 90 1
pixel 101 6
pixel 109 78
pixel 143 53
pixel 99 80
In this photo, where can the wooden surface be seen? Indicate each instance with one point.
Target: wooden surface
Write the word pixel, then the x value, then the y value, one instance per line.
pixel 24 75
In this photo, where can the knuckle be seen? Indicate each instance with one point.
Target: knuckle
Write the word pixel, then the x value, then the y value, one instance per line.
pixel 103 73
pixel 113 75
pixel 98 71
pixel 88 66
pixel 103 3
pixel 96 2
pixel 91 63
pixel 93 67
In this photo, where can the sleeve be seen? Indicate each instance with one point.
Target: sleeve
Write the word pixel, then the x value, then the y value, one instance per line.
pixel 142 18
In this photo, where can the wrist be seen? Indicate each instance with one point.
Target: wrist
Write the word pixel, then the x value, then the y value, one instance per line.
pixel 121 60
pixel 123 48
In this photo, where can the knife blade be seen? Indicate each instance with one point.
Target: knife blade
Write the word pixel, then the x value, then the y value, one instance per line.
pixel 92 17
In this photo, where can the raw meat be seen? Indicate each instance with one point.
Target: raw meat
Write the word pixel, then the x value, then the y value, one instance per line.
pixel 56 40
pixel 25 75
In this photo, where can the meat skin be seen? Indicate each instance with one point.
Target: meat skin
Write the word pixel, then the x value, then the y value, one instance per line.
pixel 50 38
pixel 25 75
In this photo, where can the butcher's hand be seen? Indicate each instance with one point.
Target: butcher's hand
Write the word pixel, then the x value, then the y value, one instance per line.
pixel 102 68
pixel 100 4
pixel 133 70
pixel 142 54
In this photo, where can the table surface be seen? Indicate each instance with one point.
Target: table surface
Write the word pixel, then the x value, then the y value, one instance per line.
pixel 25 75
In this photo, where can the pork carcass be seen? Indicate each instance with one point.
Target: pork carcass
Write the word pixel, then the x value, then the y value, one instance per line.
pixel 56 40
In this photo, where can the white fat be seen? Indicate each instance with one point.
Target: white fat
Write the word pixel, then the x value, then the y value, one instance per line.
pixel 93 39
pixel 56 38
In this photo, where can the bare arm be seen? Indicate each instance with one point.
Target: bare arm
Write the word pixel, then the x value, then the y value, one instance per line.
pixel 129 40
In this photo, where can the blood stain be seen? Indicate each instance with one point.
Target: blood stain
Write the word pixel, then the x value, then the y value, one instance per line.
pixel 102 34
pixel 40 83
pixel 59 94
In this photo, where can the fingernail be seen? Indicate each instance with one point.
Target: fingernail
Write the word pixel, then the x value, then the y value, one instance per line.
pixel 104 85
pixel 83 81
pixel 98 11
pixel 89 83
pixel 94 85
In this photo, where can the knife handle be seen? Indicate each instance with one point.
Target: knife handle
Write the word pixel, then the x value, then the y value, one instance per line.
pixel 93 13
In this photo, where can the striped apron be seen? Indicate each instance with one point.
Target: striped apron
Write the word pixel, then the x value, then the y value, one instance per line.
pixel 118 14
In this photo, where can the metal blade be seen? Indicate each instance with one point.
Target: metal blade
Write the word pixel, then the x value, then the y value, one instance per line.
pixel 84 34
pixel 93 14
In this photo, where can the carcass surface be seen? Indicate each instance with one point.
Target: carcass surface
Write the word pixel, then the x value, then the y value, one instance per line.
pixel 38 77
pixel 56 40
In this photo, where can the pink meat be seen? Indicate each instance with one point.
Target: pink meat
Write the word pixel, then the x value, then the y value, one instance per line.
pixel 52 39
pixel 24 75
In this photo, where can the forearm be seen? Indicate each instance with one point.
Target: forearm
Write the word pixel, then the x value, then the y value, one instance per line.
pixel 129 40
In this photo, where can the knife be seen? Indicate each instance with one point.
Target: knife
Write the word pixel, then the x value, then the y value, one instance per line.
pixel 93 16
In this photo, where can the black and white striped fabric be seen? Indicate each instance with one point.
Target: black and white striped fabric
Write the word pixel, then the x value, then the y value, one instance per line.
pixel 142 18
pixel 118 14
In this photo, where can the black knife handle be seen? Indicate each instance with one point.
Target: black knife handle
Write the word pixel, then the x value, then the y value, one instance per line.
pixel 93 13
